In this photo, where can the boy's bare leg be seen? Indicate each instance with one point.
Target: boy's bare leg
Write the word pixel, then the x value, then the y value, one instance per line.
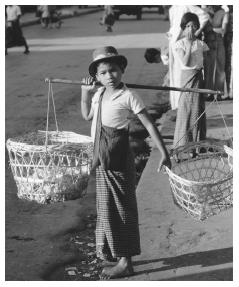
pixel 122 269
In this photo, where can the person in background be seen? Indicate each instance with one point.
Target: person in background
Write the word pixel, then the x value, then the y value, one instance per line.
pixel 153 55
pixel 228 40
pixel 175 33
pixel 14 36
pixel 191 119
pixel 45 15
pixel 108 18
pixel 50 17
pixel 109 108
pixel 55 20
pixel 215 78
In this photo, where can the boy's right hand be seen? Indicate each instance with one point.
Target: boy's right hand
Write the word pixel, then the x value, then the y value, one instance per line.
pixel 164 161
pixel 88 84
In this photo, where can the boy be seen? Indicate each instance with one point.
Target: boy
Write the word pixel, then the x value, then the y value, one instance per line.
pixel 117 231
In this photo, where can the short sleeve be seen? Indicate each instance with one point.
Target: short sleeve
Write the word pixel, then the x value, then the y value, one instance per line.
pixel 179 45
pixel 135 102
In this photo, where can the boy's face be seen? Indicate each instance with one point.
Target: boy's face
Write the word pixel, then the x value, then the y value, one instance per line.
pixel 109 74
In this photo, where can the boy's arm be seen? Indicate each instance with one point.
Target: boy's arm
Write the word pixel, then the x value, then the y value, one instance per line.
pixel 146 120
pixel 86 109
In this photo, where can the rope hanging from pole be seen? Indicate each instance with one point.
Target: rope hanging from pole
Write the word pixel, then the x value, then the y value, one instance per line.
pixel 50 94
pixel 148 87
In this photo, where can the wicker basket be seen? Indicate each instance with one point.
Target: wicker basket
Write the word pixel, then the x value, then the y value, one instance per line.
pixel 202 186
pixel 54 172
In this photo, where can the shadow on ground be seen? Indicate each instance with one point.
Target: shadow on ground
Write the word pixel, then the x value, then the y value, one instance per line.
pixel 205 259
pixel 225 274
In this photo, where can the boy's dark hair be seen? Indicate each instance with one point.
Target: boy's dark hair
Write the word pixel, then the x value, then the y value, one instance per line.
pixel 150 54
pixel 115 61
pixel 189 17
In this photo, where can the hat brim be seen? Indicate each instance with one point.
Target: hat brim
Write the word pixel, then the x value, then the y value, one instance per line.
pixel 117 58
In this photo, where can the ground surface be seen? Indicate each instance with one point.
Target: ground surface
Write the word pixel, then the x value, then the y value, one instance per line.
pixel 56 242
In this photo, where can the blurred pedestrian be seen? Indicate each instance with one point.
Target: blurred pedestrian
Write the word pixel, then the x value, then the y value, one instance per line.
pixel 215 78
pixel 109 108
pixel 191 105
pixel 45 15
pixel 14 36
pixel 175 33
pixel 108 18
pixel 50 17
pixel 55 20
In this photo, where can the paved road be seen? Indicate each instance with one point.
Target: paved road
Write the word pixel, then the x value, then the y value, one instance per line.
pixel 66 53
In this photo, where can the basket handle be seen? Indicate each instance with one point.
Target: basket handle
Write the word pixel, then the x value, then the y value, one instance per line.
pixel 50 95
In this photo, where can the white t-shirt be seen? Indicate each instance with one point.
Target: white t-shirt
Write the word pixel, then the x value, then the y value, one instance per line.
pixel 196 58
pixel 115 112
pixel 13 12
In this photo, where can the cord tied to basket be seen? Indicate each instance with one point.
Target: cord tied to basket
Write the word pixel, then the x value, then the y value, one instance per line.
pixel 215 101
pixel 50 95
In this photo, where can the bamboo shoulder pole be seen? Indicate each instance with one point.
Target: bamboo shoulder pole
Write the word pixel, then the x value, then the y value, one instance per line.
pixel 145 87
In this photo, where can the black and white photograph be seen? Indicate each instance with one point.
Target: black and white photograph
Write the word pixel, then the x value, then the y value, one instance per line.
pixel 118 140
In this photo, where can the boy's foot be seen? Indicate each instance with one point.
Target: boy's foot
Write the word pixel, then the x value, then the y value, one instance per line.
pixel 117 271
pixel 26 52
pixel 106 263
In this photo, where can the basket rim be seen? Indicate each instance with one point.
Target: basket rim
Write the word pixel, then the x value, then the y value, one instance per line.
pixel 13 144
pixel 193 182
pixel 203 143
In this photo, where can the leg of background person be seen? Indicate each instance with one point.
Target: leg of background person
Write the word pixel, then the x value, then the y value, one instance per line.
pixel 26 47
pixel 220 66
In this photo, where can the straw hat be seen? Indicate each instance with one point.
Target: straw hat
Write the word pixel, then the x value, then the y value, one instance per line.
pixel 106 53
